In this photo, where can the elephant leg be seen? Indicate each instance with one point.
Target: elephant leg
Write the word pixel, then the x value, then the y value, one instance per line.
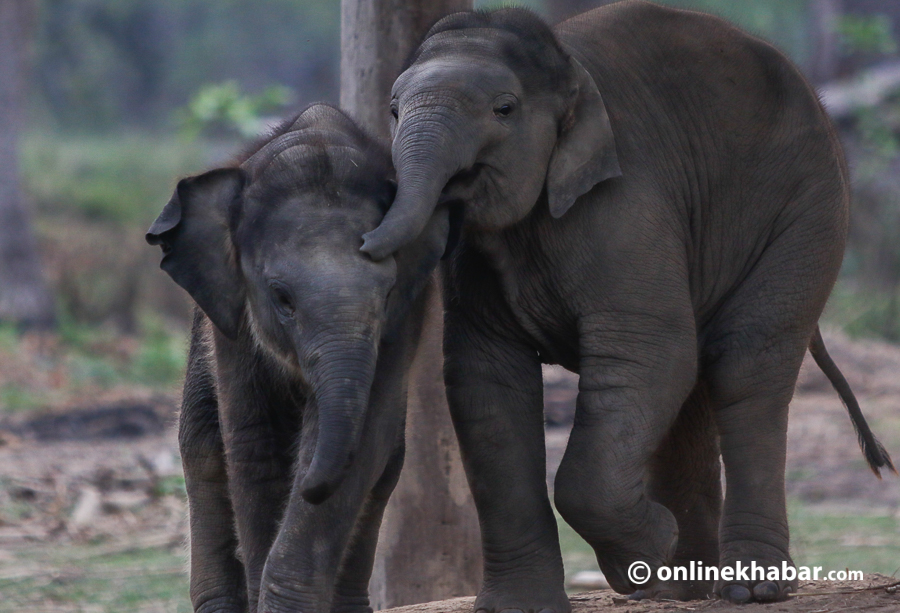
pixel 751 390
pixel 494 389
pixel 258 454
pixel 351 591
pixel 685 477
pixel 217 575
pixel 752 377
pixel 259 483
pixel 630 391
pixel 751 354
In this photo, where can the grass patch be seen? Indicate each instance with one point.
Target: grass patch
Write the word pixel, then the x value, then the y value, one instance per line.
pixel 832 537
pixel 125 180
pixel 836 538
pixel 80 361
pixel 86 578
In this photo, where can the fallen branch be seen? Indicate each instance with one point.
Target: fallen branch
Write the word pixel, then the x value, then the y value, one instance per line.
pixel 873 588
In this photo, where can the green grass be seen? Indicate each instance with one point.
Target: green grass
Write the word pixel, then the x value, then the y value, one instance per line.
pixel 89 578
pixel 836 538
pixel 832 537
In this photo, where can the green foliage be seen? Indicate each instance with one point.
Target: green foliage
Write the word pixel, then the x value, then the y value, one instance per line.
pixel 877 130
pixel 866 34
pixel 123 179
pixel 15 397
pixel 222 109
pixel 161 359
pixel 103 63
pixel 864 311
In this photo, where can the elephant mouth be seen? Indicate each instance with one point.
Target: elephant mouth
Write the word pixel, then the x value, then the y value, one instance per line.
pixel 464 179
pixel 471 185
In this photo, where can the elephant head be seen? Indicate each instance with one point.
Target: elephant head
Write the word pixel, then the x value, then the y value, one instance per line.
pixel 269 251
pixel 490 111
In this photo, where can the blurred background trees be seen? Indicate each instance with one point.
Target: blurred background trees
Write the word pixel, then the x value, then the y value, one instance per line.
pixel 24 298
pixel 124 96
pixel 104 104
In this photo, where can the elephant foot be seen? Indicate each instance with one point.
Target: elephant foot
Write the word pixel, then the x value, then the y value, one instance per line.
pixel 742 592
pixel 756 571
pixel 523 597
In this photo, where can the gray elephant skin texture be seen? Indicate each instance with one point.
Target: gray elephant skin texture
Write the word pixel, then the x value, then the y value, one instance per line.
pixel 654 200
pixel 292 424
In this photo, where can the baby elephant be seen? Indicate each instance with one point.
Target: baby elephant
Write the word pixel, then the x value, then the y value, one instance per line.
pixel 295 397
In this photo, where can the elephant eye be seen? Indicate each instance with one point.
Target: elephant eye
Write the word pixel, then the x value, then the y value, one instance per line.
pixel 503 110
pixel 282 299
pixel 394 112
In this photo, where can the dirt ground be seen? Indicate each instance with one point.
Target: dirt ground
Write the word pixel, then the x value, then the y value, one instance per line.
pixel 813 597
pixel 109 475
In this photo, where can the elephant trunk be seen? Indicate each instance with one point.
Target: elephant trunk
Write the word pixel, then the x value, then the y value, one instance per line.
pixel 427 152
pixel 341 381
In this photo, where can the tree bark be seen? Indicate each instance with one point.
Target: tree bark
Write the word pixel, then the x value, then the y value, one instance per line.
pixel 430 543
pixel 24 297
pixel 430 546
pixel 824 59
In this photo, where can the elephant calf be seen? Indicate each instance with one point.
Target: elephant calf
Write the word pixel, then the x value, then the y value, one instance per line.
pixel 294 403
pixel 657 201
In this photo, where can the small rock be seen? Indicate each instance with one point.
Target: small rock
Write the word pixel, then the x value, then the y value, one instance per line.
pixel 119 502
pixel 588 580
pixel 160 464
pixel 86 508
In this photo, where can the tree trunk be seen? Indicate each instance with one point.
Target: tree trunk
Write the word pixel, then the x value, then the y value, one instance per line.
pixel 824 15
pixel 430 546
pixel 24 298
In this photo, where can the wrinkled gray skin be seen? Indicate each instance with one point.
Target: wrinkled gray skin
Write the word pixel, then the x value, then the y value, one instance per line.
pixel 295 398
pixel 673 241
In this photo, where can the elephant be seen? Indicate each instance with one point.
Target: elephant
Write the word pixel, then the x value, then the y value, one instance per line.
pixel 658 202
pixel 292 424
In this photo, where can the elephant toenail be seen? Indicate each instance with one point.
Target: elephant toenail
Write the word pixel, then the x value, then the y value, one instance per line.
pixel 638 595
pixel 546 611
pixel 511 611
pixel 738 594
pixel 767 591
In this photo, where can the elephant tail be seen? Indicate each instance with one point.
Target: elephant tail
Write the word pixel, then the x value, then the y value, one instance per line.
pixel 875 453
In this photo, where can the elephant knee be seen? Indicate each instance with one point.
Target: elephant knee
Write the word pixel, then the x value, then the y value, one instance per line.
pixel 584 506
pixel 201 447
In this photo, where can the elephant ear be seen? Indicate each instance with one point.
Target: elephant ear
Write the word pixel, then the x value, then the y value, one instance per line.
pixel 585 152
pixel 194 233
